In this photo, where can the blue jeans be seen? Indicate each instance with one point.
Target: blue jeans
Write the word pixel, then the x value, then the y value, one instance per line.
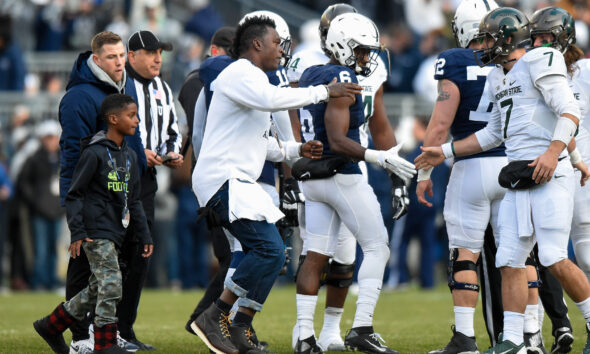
pixel 263 246
pixel 45 234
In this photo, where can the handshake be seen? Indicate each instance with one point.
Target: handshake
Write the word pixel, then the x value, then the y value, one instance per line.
pixel 391 161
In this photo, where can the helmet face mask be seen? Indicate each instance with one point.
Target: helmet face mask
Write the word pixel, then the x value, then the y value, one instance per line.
pixel 353 40
pixel 556 22
pixel 282 29
pixel 506 29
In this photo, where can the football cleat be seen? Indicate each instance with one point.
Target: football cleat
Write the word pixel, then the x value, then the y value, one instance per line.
pixel 84 346
pixel 307 346
pixel 459 344
pixel 331 342
pixel 563 340
pixel 507 347
pixel 534 343
pixel 364 339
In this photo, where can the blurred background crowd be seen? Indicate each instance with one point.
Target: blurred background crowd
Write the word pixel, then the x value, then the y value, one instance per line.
pixel 39 41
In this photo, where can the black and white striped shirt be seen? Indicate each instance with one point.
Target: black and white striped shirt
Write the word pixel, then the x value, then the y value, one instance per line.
pixel 158 122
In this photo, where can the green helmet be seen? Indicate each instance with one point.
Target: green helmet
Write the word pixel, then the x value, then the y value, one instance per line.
pixel 500 25
pixel 329 14
pixel 555 21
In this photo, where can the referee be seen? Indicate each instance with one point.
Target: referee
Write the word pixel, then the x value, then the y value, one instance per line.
pixel 158 124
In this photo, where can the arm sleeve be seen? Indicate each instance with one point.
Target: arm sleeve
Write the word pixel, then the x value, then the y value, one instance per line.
pixel 283 125
pixel 199 123
pixel 254 91
pixel 85 170
pixel 136 211
pixel 274 152
pixel 491 136
pixel 174 142
pixel 558 95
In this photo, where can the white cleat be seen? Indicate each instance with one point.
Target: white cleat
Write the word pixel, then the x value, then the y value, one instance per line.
pixel 84 346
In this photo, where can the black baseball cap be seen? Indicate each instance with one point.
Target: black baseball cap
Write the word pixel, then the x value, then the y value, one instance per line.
pixel 146 40
pixel 224 37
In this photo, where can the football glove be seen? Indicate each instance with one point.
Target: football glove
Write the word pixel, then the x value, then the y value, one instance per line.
pixel 401 198
pixel 290 200
pixel 391 161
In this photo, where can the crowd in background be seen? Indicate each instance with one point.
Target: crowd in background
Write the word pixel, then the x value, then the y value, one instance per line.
pixel 33 234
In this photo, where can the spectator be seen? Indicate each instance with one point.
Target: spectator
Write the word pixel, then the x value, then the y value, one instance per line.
pixel 39 185
pixel 205 20
pixel 405 58
pixel 12 64
pixel 50 28
pixel 5 194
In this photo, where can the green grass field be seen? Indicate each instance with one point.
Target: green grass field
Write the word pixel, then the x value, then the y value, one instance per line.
pixel 411 321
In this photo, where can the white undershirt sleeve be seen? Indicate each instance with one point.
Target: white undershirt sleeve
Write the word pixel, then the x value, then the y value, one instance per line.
pixel 199 123
pixel 558 95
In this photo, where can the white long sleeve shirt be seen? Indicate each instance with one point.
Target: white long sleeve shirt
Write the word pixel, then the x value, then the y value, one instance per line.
pixel 236 141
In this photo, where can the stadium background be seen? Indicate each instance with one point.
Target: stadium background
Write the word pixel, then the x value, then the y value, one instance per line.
pixel 40 39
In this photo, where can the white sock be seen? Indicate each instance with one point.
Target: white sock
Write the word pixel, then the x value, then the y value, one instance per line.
pixel 464 320
pixel 305 311
pixel 531 319
pixel 332 316
pixel 513 327
pixel 584 307
pixel 369 290
pixel 541 314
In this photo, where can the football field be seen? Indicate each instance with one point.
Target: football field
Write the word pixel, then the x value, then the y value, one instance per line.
pixel 411 321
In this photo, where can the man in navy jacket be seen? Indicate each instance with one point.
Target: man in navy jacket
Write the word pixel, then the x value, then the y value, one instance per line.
pixel 95 75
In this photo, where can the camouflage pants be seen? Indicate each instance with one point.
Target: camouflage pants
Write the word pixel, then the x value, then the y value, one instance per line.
pixel 105 285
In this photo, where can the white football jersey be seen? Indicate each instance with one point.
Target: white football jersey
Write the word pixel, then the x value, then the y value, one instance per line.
pixel 371 84
pixel 580 84
pixel 525 121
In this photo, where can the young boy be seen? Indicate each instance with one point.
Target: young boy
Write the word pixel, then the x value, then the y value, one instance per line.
pixel 101 203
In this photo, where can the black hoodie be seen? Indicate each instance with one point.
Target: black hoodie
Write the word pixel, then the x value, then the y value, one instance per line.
pixel 94 203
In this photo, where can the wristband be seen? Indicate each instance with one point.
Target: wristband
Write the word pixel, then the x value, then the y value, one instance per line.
pixel 448 150
pixel 564 130
pixel 575 156
pixel 372 156
pixel 424 175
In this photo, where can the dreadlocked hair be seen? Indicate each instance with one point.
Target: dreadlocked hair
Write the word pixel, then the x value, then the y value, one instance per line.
pixel 571 56
pixel 250 29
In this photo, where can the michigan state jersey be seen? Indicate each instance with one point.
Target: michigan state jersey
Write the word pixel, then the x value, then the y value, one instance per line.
pixel 300 61
pixel 371 85
pixel 321 75
pixel 525 121
pixel 458 65
pixel 580 84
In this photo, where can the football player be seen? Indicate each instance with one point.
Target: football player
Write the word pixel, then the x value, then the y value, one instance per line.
pixel 536 115
pixel 341 267
pixel 342 195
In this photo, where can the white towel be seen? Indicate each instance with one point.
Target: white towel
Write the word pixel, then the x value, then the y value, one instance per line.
pixel 247 200
pixel 523 213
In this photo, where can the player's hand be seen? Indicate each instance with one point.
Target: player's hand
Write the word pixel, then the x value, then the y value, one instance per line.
pixel 176 160
pixel 544 166
pixel 431 156
pixel 291 192
pixel 343 89
pixel 312 149
pixel 422 188
pixel 581 166
pixel 152 158
pixel 148 250
pixel 401 198
pixel 75 246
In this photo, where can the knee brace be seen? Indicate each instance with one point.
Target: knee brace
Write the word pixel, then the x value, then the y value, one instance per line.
pixel 340 275
pixel 530 261
pixel 458 266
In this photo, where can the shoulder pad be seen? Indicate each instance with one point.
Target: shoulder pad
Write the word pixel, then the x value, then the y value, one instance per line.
pixel 544 61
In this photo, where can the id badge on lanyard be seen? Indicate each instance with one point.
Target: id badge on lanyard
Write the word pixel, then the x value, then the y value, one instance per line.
pixel 125 215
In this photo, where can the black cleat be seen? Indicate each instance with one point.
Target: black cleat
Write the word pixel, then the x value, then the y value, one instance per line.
pixel 586 349
pixel 534 343
pixel 459 344
pixel 212 326
pixel 364 339
pixel 241 337
pixel 307 346
pixel 563 340
pixel 141 345
pixel 55 341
